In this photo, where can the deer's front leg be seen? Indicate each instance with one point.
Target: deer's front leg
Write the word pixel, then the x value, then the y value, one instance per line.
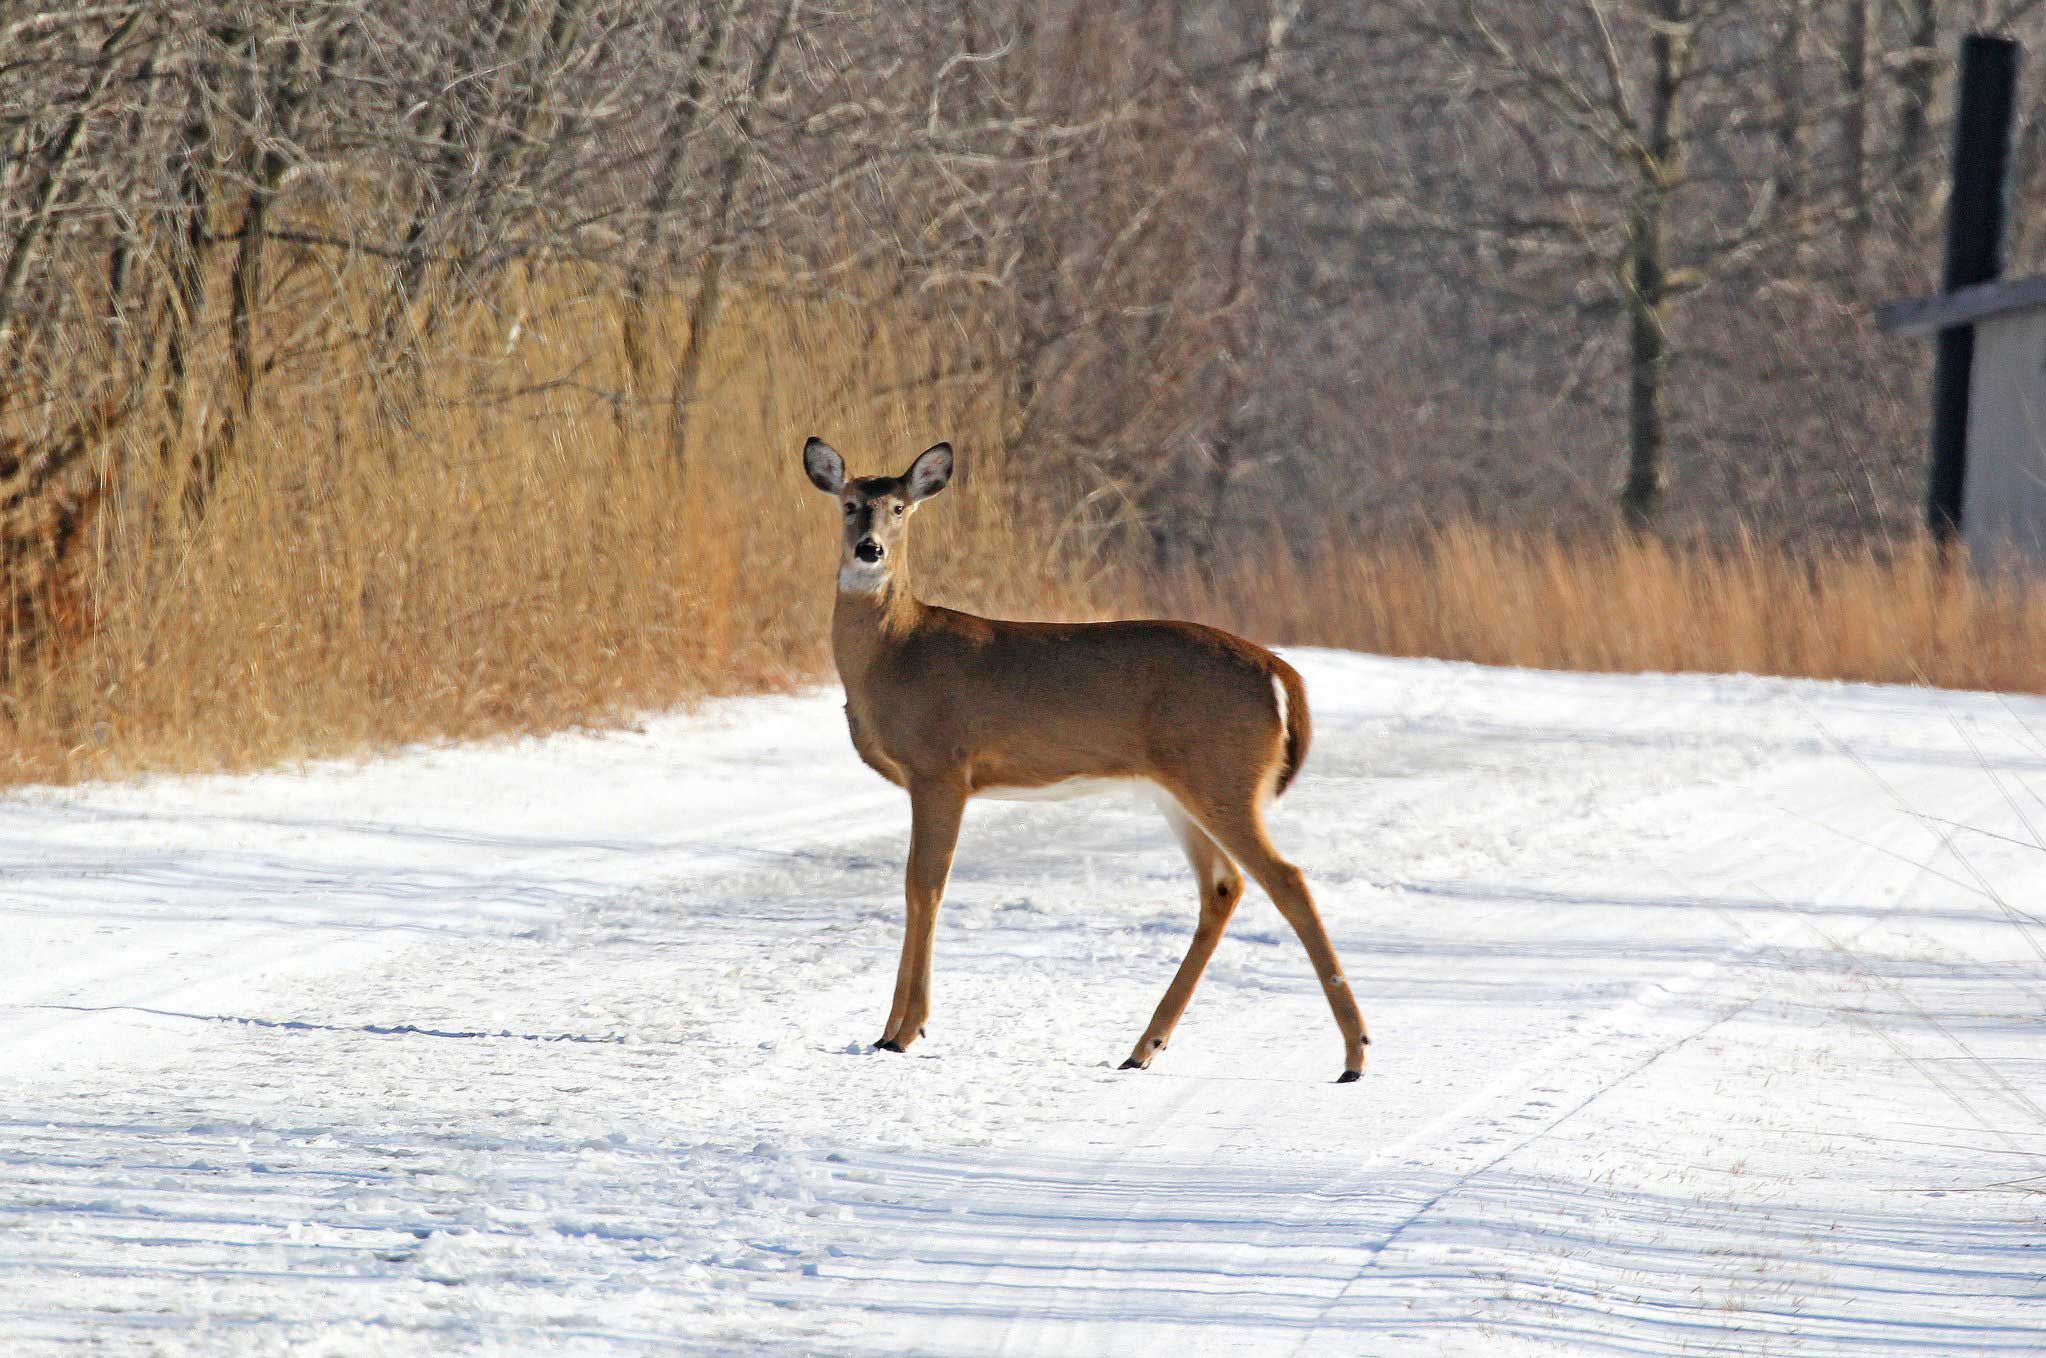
pixel 935 811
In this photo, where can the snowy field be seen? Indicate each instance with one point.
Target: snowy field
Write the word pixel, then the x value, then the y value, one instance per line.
pixel 1706 1018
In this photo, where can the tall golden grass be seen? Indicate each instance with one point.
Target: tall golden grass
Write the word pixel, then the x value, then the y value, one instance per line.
pixel 1626 603
pixel 373 572
pixel 366 576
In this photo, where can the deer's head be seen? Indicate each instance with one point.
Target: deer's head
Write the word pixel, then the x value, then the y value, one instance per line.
pixel 875 510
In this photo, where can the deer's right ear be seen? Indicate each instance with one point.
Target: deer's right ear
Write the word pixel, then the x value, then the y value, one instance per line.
pixel 930 473
pixel 825 466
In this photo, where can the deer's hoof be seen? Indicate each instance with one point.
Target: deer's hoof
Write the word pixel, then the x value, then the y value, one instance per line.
pixel 1349 1077
pixel 1134 1064
pixel 887 1044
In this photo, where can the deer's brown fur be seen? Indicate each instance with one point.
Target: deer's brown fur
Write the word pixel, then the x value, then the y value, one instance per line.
pixel 950 706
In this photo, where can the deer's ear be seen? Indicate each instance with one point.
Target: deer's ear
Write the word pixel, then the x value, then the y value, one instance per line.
pixel 825 467
pixel 929 473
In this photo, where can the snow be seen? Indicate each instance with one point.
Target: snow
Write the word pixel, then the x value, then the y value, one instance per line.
pixel 1705 1019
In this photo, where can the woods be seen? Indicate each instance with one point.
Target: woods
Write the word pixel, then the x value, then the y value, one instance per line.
pixel 1188 280
pixel 1175 232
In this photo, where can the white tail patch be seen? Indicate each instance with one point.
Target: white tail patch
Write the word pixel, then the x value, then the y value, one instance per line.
pixel 1268 790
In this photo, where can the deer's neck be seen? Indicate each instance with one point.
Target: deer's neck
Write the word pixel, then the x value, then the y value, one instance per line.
pixel 867 624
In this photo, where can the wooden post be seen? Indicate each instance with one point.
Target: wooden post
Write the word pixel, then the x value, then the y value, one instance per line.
pixel 1974 254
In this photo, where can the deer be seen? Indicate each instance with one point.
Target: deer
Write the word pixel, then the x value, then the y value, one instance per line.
pixel 950 706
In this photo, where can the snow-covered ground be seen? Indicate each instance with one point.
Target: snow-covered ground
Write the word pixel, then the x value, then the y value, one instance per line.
pixel 1706 1018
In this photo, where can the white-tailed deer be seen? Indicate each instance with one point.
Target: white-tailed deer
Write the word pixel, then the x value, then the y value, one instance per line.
pixel 950 706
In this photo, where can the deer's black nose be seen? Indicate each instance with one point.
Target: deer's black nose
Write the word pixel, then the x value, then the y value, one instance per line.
pixel 869 550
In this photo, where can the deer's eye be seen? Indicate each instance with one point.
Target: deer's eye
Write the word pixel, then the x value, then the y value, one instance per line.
pixel 898 511
pixel 849 511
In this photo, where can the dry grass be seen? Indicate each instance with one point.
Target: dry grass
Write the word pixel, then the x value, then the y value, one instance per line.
pixel 362 580
pixel 1626 604
pixel 367 577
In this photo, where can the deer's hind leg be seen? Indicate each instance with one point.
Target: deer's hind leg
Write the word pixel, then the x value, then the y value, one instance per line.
pixel 1221 887
pixel 1237 824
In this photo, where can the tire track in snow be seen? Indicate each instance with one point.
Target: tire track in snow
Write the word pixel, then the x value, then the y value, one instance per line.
pixel 1606 1047
pixel 1570 1072
pixel 1053 1314
pixel 679 1189
pixel 217 947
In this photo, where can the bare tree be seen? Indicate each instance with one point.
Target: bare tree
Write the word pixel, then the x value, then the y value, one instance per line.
pixel 703 311
pixel 55 161
pixel 1635 153
pixel 678 133
pixel 1215 258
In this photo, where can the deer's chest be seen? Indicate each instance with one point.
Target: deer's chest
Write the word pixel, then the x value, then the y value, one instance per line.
pixel 868 740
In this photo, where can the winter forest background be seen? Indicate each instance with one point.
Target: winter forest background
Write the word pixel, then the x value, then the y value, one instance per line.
pixel 369 305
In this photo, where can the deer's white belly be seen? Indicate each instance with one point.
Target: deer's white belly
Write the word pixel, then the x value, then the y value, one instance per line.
pixel 1066 790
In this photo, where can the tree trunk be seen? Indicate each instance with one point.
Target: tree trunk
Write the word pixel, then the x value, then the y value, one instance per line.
pixel 123 311
pixel 1641 497
pixel 266 175
pixel 1854 127
pixel 509 152
pixel 682 125
pixel 1244 303
pixel 457 145
pixel 56 169
pixel 1032 293
pixel 190 239
pixel 1916 77
pixel 1659 164
pixel 1786 80
pixel 703 312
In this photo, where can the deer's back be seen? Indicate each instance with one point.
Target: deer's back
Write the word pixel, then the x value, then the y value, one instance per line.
pixel 1026 705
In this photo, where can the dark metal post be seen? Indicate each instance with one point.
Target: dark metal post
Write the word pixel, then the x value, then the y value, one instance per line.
pixel 1986 99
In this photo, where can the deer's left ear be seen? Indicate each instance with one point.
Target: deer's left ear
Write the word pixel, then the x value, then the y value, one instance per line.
pixel 929 473
pixel 824 467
